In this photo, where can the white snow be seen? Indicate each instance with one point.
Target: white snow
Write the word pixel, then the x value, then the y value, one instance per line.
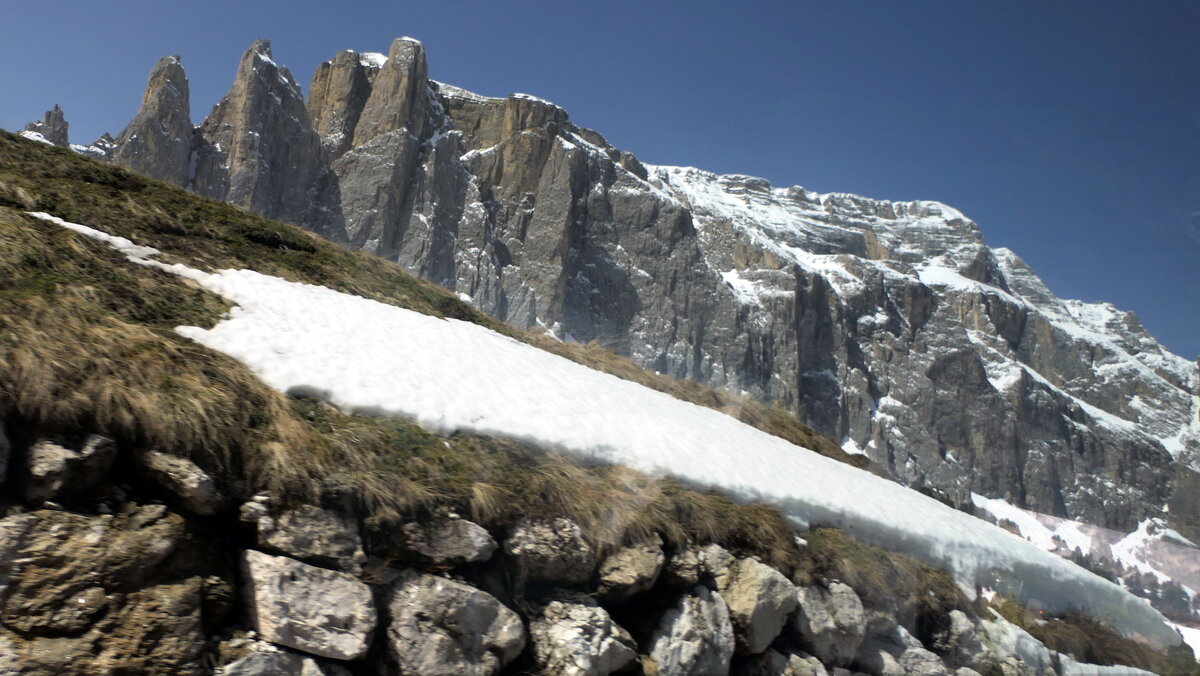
pixel 531 97
pixel 365 356
pixel 372 59
pixel 34 136
pixel 1191 636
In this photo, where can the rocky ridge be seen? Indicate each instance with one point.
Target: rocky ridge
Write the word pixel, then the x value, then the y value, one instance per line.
pixel 890 326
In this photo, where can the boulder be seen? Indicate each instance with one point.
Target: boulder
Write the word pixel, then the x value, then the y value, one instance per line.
pixel 183 480
pixel 760 599
pixel 695 636
pixel 448 541
pixel 629 571
pixel 55 472
pixel 318 611
pixel 552 550
pixel 576 639
pixel 439 626
pixel 773 663
pixel 306 532
pixel 830 622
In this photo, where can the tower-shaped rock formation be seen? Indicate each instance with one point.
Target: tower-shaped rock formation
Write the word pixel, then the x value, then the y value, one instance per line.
pixel 158 141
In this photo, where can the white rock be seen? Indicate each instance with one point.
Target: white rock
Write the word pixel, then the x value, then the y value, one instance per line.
pixel 574 639
pixel 449 541
pixel 319 611
pixel 551 550
pixel 831 622
pixel 180 477
pixel 695 636
pixel 442 627
pixel 307 532
pixel 921 662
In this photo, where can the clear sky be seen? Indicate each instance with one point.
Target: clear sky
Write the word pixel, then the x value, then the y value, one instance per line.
pixel 1069 130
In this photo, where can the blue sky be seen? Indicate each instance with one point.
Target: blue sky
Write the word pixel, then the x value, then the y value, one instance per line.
pixel 1070 131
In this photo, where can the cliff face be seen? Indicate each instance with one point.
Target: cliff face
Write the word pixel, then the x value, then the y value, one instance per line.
pixel 890 326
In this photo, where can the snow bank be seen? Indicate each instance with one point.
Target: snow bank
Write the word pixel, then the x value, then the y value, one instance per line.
pixel 450 375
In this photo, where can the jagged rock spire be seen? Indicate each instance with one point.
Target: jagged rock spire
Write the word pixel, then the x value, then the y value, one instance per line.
pixel 257 148
pixel 53 127
pixel 339 91
pixel 158 141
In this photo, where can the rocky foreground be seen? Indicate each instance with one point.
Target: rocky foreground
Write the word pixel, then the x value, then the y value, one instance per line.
pixel 135 562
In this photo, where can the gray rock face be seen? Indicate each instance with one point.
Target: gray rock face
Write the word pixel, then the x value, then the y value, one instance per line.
pixel 54 472
pixel 575 639
pixel 760 599
pixel 629 571
pixel 158 141
pixel 449 541
pixel 307 532
pixel 695 636
pixel 440 626
pixel 552 550
pixel 318 611
pixel 258 150
pixel 891 326
pixel 53 127
pixel 180 477
pixel 830 621
pixel 921 662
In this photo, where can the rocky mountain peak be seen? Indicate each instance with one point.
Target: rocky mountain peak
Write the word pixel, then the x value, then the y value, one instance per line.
pixel 398 97
pixel 336 97
pixel 257 148
pixel 158 141
pixel 53 127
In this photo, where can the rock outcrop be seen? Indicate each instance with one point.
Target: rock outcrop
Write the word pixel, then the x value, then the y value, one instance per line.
pixel 257 148
pixel 158 141
pixel 53 127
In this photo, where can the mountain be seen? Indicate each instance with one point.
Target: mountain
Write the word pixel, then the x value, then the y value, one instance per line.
pixel 230 446
pixel 889 326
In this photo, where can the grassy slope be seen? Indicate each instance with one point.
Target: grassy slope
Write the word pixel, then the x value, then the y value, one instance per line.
pixel 87 342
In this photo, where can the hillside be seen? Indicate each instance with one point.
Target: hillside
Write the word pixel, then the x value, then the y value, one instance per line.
pixel 90 348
